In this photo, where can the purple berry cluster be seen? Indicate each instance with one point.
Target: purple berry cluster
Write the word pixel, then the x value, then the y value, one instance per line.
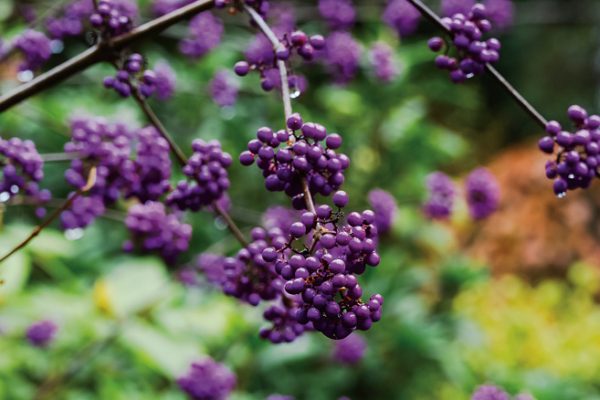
pixel 339 14
pixel 261 57
pixel 207 169
pixel 109 147
pixel 41 333
pixel 249 276
pixel 154 230
pixel 402 16
pixel 70 19
pixel 224 89
pixel 207 380
pixel 133 76
pixel 323 274
pixel 578 155
pixel 382 61
pixel 442 193
pixel 385 208
pixel 21 169
pixel 152 167
pixel 473 52
pixel 35 47
pixel 306 151
pixel 342 56
pixel 166 81
pixel 350 350
pixel 204 34
pixel 113 18
pixel 284 326
pixel 482 192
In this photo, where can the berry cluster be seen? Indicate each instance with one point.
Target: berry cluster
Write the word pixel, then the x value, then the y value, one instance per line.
pixel 35 47
pixel 308 152
pixel 249 276
pixel 285 328
pixel 578 154
pixel 41 333
pixel 382 61
pixel 339 14
pixel 467 36
pixel 385 208
pixel 154 230
pixel 204 34
pixel 440 202
pixel 262 57
pixel 83 211
pixel 113 17
pixel 70 19
pixel 207 167
pixel 152 167
pixel 482 192
pixel 224 89
pixel 132 76
pixel 21 169
pixel 323 272
pixel 350 350
pixel 207 380
pixel 342 56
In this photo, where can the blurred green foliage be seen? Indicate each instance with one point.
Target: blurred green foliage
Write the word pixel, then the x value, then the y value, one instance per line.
pixel 127 328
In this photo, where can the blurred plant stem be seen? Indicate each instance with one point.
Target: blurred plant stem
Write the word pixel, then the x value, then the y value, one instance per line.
pixel 91 181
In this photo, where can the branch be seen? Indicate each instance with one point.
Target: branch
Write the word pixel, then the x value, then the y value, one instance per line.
pixel 91 181
pixel 100 52
pixel 514 93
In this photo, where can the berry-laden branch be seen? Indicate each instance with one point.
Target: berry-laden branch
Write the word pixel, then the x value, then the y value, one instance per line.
pixel 514 93
pixel 101 52
pixel 91 181
pixel 183 160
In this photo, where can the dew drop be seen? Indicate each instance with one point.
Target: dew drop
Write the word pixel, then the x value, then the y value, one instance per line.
pixel 295 94
pixel 57 46
pixel 25 76
pixel 14 189
pixel 220 224
pixel 469 76
pixel 4 197
pixel 562 195
pixel 74 234
pixel 227 113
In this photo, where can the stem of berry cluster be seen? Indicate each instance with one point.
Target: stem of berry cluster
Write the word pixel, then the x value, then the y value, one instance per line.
pixel 514 93
pixel 285 88
pixel 91 181
pixel 100 52
pixel 182 160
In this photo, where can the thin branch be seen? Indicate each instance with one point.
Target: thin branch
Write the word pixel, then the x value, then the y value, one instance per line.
pixel 233 228
pixel 91 181
pixel 100 52
pixel 514 93
pixel 175 149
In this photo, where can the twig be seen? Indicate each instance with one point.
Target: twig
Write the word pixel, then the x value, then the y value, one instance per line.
pixel 91 181
pixel 233 228
pixel 514 93
pixel 100 52
pixel 175 149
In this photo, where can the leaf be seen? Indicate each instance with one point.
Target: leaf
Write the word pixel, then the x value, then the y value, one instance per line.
pixel 170 355
pixel 133 286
